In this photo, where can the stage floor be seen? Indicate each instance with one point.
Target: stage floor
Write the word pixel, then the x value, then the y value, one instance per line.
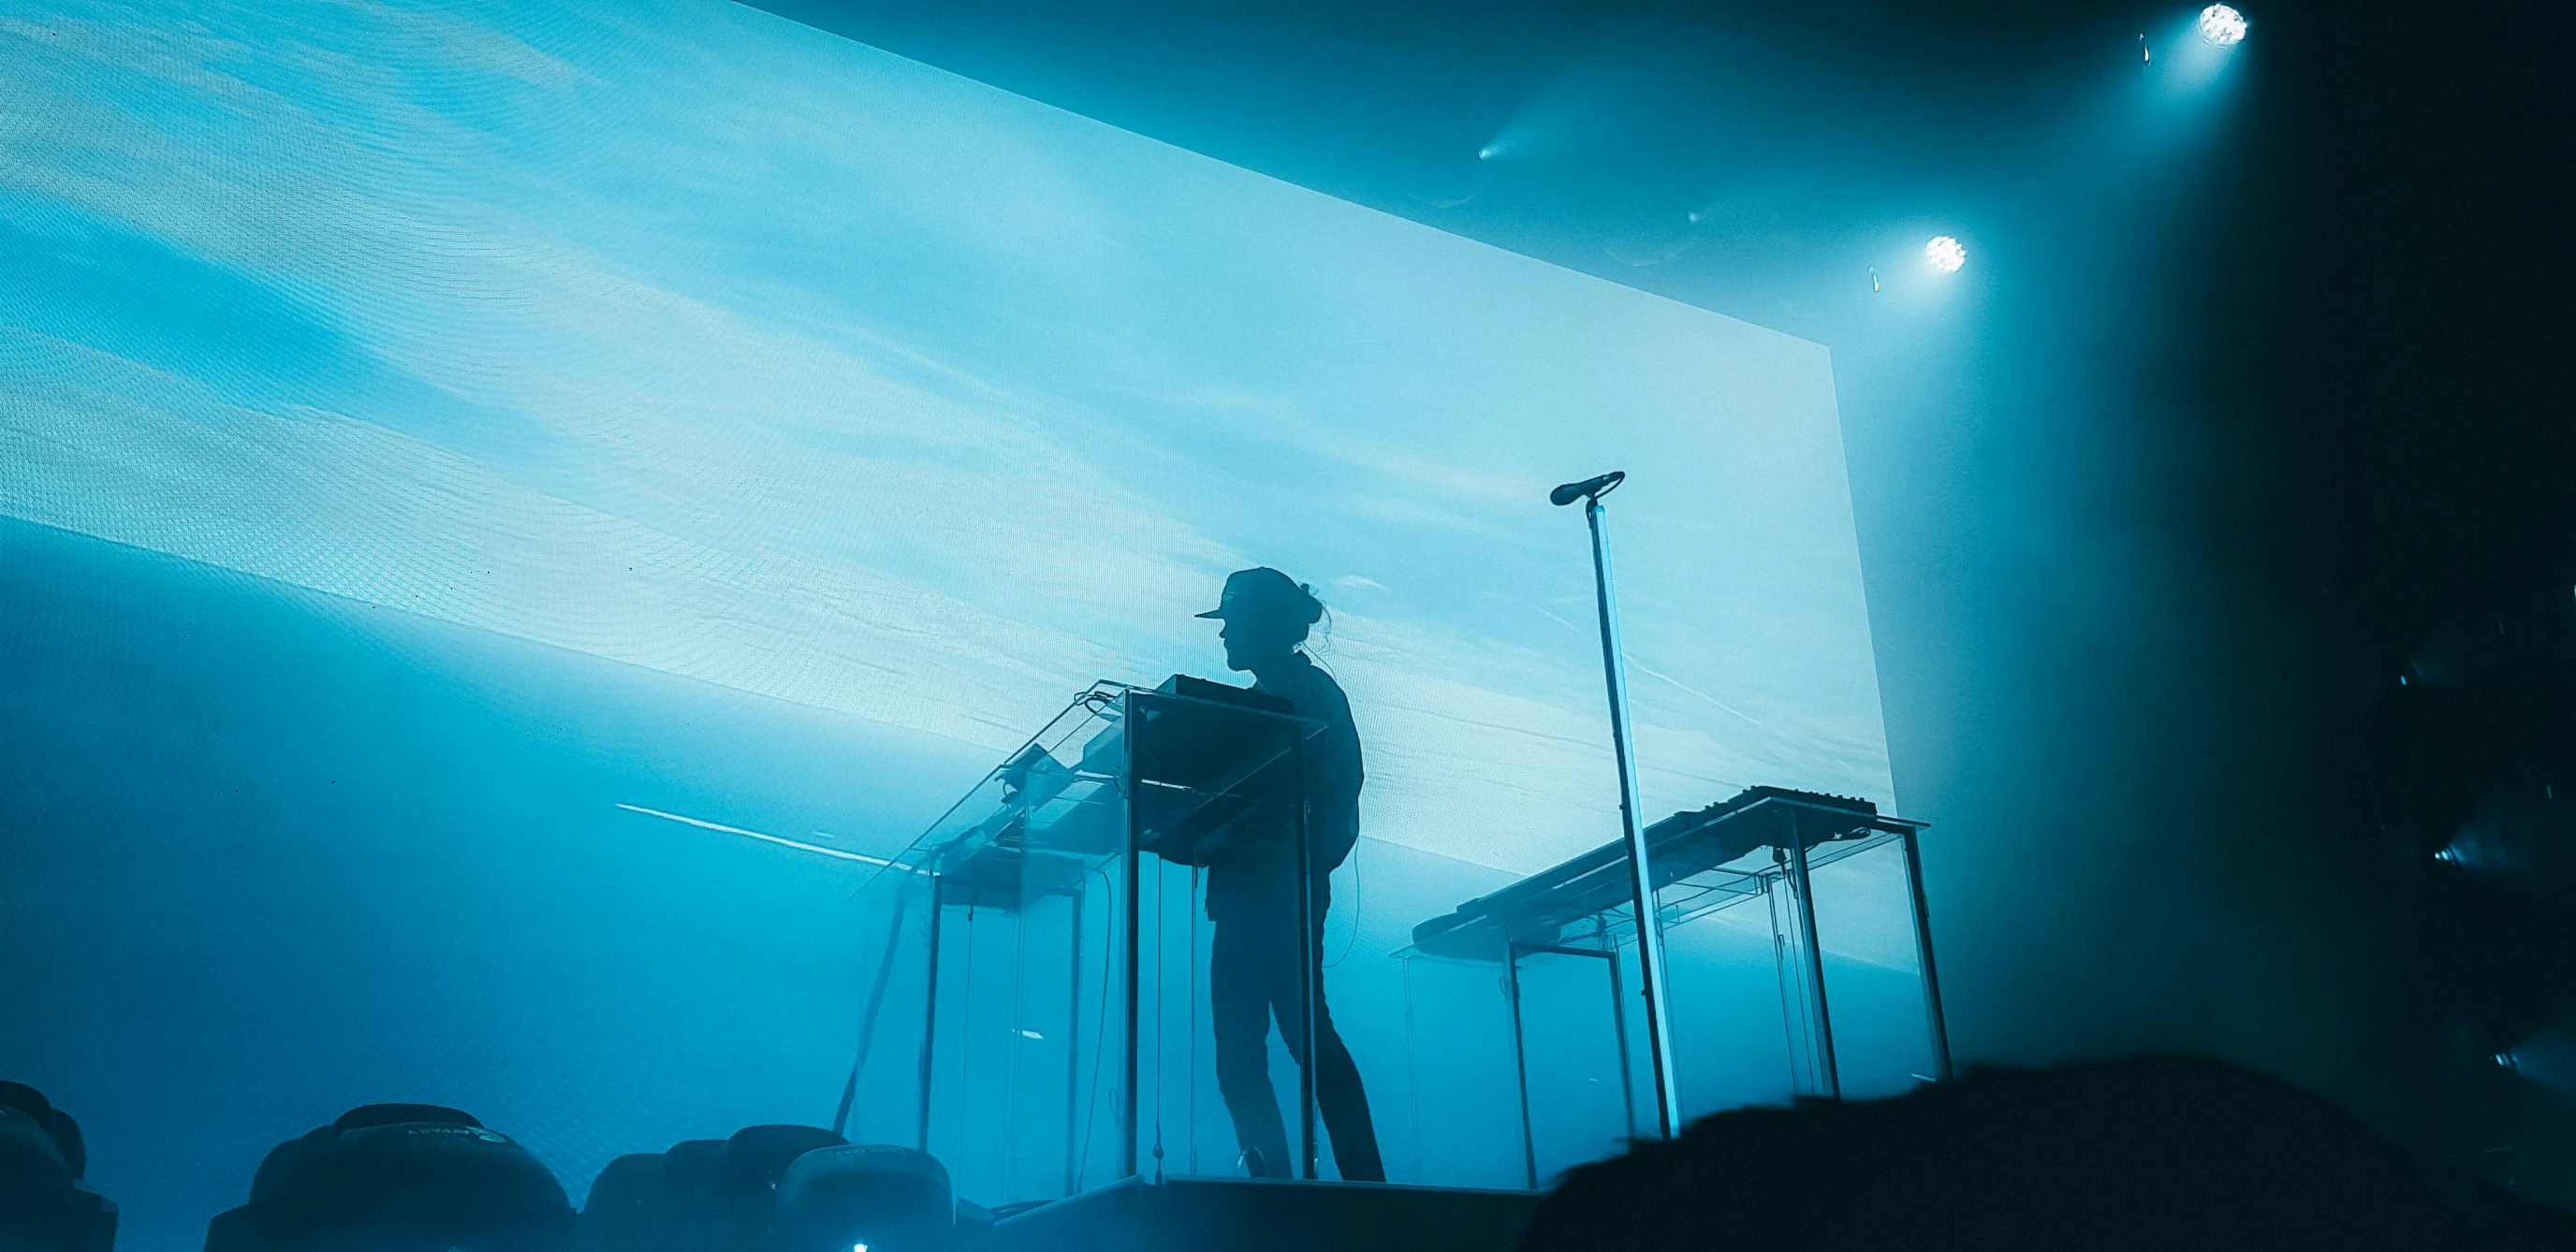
pixel 1260 1214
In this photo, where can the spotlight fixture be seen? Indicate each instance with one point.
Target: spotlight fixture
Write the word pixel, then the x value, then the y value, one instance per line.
pixel 2222 26
pixel 1945 254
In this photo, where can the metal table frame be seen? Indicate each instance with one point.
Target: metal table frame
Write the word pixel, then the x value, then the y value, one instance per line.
pixel 1716 887
pixel 1134 705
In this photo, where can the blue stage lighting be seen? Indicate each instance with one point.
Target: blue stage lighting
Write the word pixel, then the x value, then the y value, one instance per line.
pixel 2222 25
pixel 1945 254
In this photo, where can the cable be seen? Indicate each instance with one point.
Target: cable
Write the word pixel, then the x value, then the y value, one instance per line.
pixel 966 1021
pixel 1011 1059
pixel 868 1016
pixel 1160 874
pixel 1100 1020
pixel 1355 908
pixel 1412 1074
pixel 1194 1016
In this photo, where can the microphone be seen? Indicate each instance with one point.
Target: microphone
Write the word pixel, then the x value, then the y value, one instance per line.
pixel 1596 487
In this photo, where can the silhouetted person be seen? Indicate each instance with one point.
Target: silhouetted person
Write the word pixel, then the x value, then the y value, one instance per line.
pixel 44 1207
pixel 1253 966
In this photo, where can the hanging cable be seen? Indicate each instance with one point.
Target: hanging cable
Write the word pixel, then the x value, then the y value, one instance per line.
pixel 1011 1058
pixel 1100 1043
pixel 1355 909
pixel 1160 957
pixel 966 1022
pixel 868 1016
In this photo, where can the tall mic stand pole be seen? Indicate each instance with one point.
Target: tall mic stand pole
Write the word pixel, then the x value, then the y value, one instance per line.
pixel 1650 925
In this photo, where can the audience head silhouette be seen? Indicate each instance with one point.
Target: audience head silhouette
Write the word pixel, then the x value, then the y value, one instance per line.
pixel 43 1205
pixel 399 1178
pixel 2146 1154
pixel 2151 1153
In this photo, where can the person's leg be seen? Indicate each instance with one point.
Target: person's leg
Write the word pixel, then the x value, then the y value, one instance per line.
pixel 1344 1102
pixel 1240 979
pixel 1339 1095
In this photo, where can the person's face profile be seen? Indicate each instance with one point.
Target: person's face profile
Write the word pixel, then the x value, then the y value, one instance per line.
pixel 1250 640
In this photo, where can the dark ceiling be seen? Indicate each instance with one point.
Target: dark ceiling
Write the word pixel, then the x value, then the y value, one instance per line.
pixel 1788 130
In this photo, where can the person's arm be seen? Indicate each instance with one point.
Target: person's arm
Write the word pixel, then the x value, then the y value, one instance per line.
pixel 1208 833
pixel 1333 778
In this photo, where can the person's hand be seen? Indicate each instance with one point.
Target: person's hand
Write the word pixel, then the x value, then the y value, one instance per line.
pixel 1223 840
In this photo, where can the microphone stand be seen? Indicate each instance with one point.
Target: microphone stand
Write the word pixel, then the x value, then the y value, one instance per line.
pixel 1650 925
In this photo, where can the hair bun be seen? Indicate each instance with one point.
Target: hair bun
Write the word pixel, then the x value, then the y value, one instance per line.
pixel 1314 604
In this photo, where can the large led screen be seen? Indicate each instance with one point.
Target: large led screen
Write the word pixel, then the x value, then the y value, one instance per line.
pixel 675 343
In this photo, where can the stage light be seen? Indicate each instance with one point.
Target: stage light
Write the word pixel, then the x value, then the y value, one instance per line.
pixel 1945 254
pixel 2222 25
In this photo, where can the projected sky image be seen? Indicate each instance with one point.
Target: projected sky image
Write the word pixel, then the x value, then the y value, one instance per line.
pixel 687 337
